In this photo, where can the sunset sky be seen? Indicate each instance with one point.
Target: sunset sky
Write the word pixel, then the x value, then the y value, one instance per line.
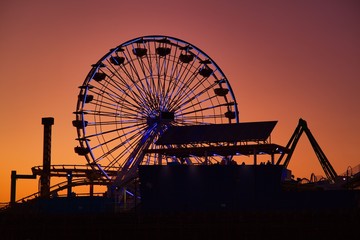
pixel 285 60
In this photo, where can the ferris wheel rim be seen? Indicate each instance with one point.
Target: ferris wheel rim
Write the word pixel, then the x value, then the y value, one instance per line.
pixel 95 68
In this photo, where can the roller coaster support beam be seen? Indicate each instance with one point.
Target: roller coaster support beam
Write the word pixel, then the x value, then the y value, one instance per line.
pixel 325 164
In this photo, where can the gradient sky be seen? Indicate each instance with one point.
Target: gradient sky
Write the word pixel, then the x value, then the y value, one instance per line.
pixel 284 60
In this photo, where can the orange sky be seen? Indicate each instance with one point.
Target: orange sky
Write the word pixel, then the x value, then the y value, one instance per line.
pixel 284 60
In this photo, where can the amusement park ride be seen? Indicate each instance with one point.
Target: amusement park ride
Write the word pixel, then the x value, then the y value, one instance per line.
pixel 158 102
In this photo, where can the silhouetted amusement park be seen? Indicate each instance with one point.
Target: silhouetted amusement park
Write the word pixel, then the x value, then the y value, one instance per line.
pixel 165 152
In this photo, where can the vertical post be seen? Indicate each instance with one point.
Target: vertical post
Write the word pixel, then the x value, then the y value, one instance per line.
pixel 45 176
pixel 91 189
pixel 69 182
pixel 255 157
pixel 125 198
pixel 13 187
pixel 136 186
pixel 160 159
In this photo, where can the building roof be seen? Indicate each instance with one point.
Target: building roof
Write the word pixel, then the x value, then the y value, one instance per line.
pixel 213 133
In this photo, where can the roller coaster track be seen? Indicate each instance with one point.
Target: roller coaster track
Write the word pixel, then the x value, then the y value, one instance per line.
pixel 83 175
pixel 64 185
pixel 353 175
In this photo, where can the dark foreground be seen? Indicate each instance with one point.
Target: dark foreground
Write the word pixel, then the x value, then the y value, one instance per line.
pixel 183 225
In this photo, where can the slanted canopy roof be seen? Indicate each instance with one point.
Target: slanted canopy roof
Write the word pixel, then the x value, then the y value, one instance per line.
pixel 238 132
pixel 249 149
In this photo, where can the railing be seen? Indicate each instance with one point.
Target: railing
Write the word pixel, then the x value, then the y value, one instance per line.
pixel 77 170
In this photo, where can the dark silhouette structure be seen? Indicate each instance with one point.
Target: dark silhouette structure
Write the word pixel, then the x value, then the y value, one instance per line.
pixel 325 164
pixel 158 124
pixel 45 175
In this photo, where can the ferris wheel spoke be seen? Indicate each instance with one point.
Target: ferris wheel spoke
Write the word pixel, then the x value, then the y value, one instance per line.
pixel 183 76
pixel 126 151
pixel 115 130
pixel 105 107
pixel 114 97
pixel 207 108
pixel 118 146
pixel 194 104
pixel 202 117
pixel 136 146
pixel 160 76
pixel 167 63
pixel 174 61
pixel 147 64
pixel 101 113
pixel 180 92
pixel 197 119
pixel 176 78
pixel 112 122
pixel 124 122
pixel 152 85
pixel 111 107
pixel 146 88
pixel 118 83
pixel 147 74
pixel 184 101
pixel 150 82
pixel 174 89
pixel 139 95
pixel 99 93
pixel 113 103
pixel 179 74
pixel 184 122
pixel 137 155
pixel 97 113
pixel 133 69
pixel 191 69
pixel 187 91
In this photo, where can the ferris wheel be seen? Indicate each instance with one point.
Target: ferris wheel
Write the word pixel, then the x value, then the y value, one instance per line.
pixel 138 90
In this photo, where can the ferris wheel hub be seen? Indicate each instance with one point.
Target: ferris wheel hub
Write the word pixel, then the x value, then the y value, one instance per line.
pixel 161 118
